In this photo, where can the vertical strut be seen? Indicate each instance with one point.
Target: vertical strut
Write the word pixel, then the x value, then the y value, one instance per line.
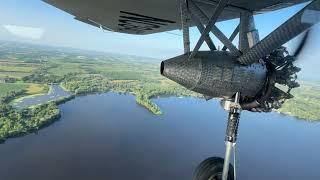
pixel 253 34
pixel 185 26
pixel 227 157
pixel 244 29
pixel 248 35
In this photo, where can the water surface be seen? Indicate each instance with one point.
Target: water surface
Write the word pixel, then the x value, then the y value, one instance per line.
pixel 56 93
pixel 109 136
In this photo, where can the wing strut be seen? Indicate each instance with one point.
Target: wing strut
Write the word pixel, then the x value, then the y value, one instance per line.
pixel 301 21
pixel 248 34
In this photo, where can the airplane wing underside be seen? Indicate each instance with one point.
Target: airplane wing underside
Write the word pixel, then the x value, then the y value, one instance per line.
pixel 152 16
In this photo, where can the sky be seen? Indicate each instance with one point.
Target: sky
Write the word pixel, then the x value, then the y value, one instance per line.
pixel 34 21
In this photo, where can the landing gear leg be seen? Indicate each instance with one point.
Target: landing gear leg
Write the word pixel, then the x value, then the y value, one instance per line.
pixel 216 168
pixel 231 133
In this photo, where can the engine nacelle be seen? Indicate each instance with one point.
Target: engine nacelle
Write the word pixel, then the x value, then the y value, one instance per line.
pixel 215 74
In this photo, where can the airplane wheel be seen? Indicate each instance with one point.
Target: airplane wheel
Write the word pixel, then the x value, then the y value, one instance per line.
pixel 211 169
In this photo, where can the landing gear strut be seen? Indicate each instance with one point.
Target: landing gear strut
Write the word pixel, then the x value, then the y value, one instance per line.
pixel 216 168
pixel 234 109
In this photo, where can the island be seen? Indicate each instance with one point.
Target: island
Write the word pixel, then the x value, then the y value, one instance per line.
pixel 33 71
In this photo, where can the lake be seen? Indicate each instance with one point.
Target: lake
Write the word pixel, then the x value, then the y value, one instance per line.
pixel 109 136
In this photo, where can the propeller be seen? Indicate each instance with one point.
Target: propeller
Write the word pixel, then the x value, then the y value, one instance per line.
pixel 302 21
pixel 302 43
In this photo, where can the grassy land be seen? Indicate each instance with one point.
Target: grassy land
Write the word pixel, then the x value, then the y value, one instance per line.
pixel 16 68
pixel 65 68
pixel 83 72
pixel 5 88
pixel 17 75
pixel 37 89
pixel 29 88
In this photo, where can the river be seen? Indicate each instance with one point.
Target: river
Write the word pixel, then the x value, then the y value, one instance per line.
pixel 109 136
pixel 55 93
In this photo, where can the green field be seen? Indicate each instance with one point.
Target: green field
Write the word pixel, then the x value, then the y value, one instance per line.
pixel 16 69
pixel 29 88
pixel 5 88
pixel 17 75
pixel 84 72
pixel 65 68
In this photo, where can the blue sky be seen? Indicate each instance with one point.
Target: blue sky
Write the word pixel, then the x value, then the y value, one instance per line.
pixel 52 26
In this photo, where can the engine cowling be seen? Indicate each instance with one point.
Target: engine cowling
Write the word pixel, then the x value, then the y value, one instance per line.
pixel 215 74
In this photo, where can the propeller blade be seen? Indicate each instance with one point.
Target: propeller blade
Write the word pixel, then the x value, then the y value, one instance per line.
pixel 303 20
pixel 302 42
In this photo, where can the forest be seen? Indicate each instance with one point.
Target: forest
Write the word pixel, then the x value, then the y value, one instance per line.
pixel 15 122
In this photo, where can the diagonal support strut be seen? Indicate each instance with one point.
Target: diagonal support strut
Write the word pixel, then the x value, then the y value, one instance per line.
pixel 216 13
pixel 204 20
pixel 201 29
pixel 233 35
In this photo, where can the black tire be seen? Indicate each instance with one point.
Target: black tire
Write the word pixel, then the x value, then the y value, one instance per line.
pixel 211 169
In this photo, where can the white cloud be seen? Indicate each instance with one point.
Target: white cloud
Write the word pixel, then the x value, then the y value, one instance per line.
pixel 25 32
